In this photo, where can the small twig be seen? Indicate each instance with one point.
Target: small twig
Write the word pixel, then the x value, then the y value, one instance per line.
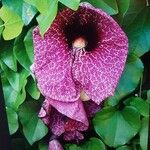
pixel 147 3
pixel 140 90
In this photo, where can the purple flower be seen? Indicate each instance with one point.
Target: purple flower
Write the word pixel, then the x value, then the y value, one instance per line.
pixel 82 53
pixel 62 125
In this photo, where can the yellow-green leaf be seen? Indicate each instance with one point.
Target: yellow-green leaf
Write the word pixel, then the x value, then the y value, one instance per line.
pixel 12 23
pixel 45 20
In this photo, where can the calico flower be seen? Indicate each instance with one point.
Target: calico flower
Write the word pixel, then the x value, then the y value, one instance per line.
pixel 62 125
pixel 82 53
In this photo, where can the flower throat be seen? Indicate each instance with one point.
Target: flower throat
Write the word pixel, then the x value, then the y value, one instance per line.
pixel 78 47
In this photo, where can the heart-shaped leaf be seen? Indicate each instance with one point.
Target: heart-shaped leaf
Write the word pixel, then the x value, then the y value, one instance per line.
pixel 12 97
pixel 12 23
pixel 16 79
pixel 33 127
pixel 139 33
pixel 117 127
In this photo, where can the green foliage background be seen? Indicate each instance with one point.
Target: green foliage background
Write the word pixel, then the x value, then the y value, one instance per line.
pixel 122 124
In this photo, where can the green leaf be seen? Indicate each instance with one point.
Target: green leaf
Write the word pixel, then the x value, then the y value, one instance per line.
pixel 109 6
pixel 12 120
pixel 12 97
pixel 141 105
pixel 33 127
pixel 94 144
pixel 139 33
pixel 116 127
pixel 28 42
pixel 144 133
pixel 28 12
pixel 73 4
pixel 14 5
pixel 1 27
pixel 12 23
pixel 24 10
pixel 7 56
pixel 16 79
pixel 124 148
pixel 129 79
pixel 123 6
pixel 46 19
pixel 32 89
pixel 42 146
pixel 72 147
pixel 48 10
pixel 21 54
pixel 42 6
pixel 134 9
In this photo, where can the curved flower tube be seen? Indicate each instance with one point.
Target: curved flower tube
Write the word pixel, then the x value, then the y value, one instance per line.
pixel 83 51
pixel 62 125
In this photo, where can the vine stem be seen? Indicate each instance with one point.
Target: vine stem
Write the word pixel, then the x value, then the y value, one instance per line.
pixel 140 90
pixel 147 3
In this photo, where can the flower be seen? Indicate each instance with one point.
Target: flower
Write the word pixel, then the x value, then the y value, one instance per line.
pixel 82 53
pixel 62 125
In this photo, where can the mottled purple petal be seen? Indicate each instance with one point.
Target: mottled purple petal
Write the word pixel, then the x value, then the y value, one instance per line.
pixel 54 145
pixel 52 118
pixel 52 64
pixel 100 69
pixel 73 110
pixel 72 125
pixel 57 123
pixel 73 135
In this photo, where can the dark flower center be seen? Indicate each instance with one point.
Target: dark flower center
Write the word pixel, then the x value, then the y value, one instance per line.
pixel 84 35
